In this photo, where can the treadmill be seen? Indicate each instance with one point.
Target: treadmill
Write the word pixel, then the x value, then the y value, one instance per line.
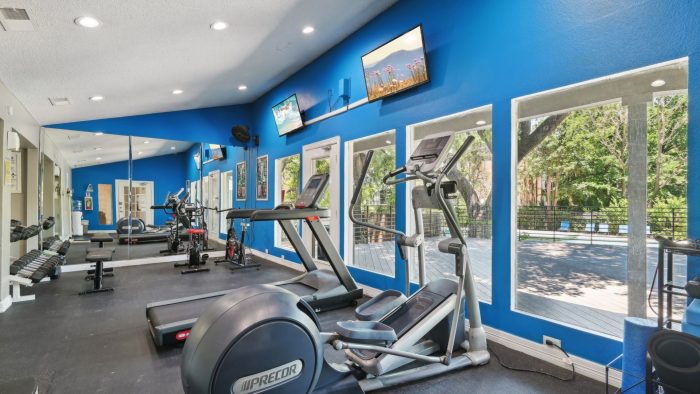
pixel 170 321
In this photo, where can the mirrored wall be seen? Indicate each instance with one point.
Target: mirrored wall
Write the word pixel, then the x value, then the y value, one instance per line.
pixel 133 188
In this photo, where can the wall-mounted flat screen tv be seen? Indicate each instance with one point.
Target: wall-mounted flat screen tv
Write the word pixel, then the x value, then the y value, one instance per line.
pixel 217 152
pixel 396 66
pixel 287 115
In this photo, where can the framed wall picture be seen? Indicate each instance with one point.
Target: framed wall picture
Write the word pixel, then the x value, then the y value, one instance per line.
pixel 88 203
pixel 240 181
pixel 261 178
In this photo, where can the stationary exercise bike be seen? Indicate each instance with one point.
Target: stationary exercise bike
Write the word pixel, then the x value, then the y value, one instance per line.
pixel 197 240
pixel 264 338
pixel 235 253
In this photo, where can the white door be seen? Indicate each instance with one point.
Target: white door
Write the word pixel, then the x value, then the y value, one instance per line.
pixel 141 200
pixel 323 157
pixel 214 204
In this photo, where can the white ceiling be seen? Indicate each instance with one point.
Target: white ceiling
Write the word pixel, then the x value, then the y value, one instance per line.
pixel 145 49
pixel 82 149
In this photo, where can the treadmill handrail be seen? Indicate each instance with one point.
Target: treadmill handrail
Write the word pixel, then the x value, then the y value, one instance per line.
pixel 240 213
pixel 263 215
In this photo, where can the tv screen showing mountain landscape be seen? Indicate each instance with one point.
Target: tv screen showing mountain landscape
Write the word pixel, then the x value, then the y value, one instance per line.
pixel 396 66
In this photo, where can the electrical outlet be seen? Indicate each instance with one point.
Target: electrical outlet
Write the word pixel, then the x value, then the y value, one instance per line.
pixel 266 251
pixel 551 341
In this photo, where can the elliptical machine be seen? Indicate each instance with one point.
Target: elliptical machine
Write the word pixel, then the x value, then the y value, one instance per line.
pixel 424 333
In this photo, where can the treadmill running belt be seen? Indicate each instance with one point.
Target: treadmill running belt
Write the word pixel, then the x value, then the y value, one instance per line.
pixel 166 314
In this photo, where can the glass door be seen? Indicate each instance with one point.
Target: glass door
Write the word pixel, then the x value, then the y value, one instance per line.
pixel 322 158
pixel 141 200
pixel 214 204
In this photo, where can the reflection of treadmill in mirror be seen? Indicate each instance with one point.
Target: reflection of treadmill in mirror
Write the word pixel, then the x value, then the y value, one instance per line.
pixel 170 321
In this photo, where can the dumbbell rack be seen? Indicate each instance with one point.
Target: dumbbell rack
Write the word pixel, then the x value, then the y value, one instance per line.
pixel 666 288
pixel 36 265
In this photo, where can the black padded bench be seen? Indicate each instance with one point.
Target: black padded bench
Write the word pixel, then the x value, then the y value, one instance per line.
pixel 99 256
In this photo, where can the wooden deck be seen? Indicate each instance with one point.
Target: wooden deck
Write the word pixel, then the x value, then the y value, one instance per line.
pixel 579 284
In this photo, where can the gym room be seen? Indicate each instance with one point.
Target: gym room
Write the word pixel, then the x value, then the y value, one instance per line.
pixel 323 196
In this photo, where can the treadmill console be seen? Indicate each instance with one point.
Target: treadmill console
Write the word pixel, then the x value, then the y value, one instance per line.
pixel 313 190
pixel 430 152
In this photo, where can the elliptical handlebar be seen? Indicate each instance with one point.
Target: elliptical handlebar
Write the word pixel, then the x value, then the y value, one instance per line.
pixel 356 196
pixel 449 216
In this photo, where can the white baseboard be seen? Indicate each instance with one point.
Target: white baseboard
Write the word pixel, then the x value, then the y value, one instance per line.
pixel 134 262
pixel 540 351
pixel 6 303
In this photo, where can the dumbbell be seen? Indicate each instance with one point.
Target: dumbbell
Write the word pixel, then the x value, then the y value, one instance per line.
pixel 36 263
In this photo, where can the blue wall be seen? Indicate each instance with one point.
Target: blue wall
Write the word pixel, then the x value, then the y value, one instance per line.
pixel 478 53
pixel 168 174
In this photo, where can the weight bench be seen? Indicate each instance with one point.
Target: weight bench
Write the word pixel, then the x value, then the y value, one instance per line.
pixel 99 256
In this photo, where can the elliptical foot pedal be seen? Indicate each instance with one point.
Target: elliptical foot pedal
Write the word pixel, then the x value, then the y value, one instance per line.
pixel 380 305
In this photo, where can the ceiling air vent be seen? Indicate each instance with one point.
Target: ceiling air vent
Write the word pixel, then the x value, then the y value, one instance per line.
pixel 15 19
pixel 59 101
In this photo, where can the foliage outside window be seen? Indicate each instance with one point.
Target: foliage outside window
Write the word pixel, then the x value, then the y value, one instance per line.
pixel 288 171
pixel 572 216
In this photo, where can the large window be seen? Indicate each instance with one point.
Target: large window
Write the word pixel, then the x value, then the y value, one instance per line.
pixel 368 248
pixel 601 168
pixel 287 175
pixel 474 185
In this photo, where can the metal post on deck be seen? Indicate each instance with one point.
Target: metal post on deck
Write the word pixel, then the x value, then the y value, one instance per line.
pixel 673 223
pixel 637 203
pixel 554 225
pixel 591 227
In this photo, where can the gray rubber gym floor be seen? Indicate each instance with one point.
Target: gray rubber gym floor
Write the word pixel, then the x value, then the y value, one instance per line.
pixel 76 253
pixel 100 344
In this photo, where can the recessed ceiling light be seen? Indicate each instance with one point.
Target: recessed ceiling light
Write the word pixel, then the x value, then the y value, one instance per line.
pixel 172 148
pixel 99 133
pixel 87 21
pixel 308 30
pixel 98 148
pixel 242 87
pixel 658 83
pixel 177 91
pixel 97 98
pixel 98 158
pixel 480 122
pixel 147 142
pixel 140 153
pixel 388 142
pixel 219 25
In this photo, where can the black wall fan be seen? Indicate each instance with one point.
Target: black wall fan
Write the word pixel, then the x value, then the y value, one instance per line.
pixel 242 136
